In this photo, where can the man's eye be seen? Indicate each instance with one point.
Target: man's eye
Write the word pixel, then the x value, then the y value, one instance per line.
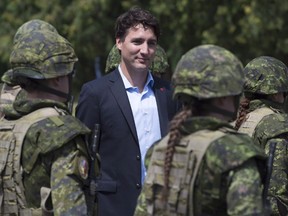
pixel 152 43
pixel 137 42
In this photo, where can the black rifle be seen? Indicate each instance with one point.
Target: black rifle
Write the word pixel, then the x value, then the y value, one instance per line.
pixel 93 173
pixel 272 148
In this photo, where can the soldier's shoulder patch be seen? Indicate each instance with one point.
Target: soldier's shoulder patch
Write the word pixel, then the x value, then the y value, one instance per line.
pixel 83 167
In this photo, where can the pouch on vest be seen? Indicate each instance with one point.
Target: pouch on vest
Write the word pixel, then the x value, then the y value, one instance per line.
pixel 12 134
pixel 185 165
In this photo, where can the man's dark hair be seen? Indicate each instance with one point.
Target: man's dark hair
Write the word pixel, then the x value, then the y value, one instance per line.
pixel 133 17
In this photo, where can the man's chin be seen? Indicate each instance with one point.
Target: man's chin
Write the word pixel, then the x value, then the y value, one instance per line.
pixel 142 68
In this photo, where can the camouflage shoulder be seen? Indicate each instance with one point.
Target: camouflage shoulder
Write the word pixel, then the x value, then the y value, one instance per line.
pixel 61 130
pixel 149 154
pixel 231 151
pixel 271 126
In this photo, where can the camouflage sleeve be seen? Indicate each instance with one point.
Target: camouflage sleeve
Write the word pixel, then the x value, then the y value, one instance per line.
pixel 244 196
pixel 141 208
pixel 67 196
pixel 278 192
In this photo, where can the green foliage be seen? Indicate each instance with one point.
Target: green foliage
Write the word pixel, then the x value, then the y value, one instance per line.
pixel 247 28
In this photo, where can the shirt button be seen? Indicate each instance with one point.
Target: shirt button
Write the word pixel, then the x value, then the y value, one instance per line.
pixel 138 157
pixel 138 186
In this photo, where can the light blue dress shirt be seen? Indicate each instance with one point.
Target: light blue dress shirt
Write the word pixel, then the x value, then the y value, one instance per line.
pixel 145 113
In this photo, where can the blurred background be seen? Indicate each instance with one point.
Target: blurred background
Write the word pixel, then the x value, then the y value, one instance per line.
pixel 249 28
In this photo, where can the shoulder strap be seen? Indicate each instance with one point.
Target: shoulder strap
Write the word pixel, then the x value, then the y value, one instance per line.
pixel 253 119
pixel 200 144
pixel 23 124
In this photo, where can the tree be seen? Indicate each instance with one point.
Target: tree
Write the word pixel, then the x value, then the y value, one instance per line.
pixel 247 28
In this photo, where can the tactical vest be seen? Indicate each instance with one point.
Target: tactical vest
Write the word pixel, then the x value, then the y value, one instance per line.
pixel 12 134
pixel 252 120
pixel 185 165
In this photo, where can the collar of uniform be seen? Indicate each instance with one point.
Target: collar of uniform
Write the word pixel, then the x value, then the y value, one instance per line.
pixel 197 123
pixel 25 105
pixel 255 104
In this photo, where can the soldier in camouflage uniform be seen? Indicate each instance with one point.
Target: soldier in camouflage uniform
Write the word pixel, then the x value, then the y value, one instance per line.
pixel 54 157
pixel 159 66
pixel 261 116
pixel 203 166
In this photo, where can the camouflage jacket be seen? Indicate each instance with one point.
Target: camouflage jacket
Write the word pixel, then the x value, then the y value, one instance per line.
pixel 8 95
pixel 228 181
pixel 274 128
pixel 54 155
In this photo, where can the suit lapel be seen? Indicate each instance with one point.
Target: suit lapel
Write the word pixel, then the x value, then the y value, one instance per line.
pixel 119 92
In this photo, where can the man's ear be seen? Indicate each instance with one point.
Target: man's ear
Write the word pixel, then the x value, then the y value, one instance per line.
pixel 118 44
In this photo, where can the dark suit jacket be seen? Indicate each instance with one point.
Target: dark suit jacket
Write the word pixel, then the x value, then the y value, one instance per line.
pixel 105 101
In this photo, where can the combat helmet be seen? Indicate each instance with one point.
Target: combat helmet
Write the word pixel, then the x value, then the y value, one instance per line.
pixel 265 75
pixel 42 55
pixel 208 71
pixel 113 59
pixel 26 28
pixel 159 64
pixel 33 25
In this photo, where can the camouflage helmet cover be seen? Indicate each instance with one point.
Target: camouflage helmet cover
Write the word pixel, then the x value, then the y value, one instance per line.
pixel 42 55
pixel 113 59
pixel 208 71
pixel 265 75
pixel 159 64
pixel 33 25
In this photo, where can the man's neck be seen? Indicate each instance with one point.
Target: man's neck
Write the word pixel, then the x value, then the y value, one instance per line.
pixel 136 78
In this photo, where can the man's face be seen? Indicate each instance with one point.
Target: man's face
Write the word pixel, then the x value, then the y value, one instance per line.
pixel 137 48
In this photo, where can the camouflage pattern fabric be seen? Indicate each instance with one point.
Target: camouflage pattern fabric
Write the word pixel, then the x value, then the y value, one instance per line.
pixel 32 25
pixel 113 59
pixel 7 77
pixel 228 182
pixel 159 64
pixel 54 155
pixel 7 97
pixel 264 135
pixel 220 74
pixel 265 75
pixel 55 56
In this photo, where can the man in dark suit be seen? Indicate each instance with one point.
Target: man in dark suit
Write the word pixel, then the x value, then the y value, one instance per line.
pixel 133 109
